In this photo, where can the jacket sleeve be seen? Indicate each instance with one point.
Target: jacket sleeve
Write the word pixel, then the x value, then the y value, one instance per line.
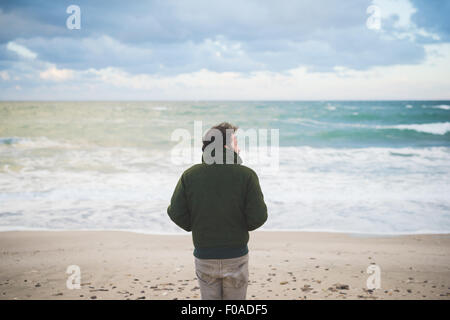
pixel 255 207
pixel 178 210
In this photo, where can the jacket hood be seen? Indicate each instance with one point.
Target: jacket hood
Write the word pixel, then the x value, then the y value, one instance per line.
pixel 228 156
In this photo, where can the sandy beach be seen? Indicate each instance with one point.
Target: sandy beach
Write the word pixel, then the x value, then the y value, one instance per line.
pixel 283 265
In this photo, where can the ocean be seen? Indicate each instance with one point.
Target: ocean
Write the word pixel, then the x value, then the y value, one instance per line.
pixel 370 167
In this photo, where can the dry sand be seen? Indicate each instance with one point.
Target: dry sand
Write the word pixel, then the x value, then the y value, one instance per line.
pixel 283 265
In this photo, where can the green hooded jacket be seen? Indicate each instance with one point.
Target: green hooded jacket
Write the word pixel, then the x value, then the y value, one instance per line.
pixel 220 204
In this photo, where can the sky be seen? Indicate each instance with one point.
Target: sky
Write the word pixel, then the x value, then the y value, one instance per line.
pixel 225 50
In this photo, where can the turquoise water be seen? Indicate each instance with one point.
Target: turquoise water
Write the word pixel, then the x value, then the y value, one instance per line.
pixel 351 166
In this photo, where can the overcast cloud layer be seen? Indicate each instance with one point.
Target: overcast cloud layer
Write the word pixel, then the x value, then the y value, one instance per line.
pixel 225 50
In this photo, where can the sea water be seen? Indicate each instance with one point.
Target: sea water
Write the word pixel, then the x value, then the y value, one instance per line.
pixel 376 167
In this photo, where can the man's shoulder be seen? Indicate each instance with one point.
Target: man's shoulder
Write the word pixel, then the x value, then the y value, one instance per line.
pixel 193 170
pixel 246 170
pixel 245 173
pixel 200 167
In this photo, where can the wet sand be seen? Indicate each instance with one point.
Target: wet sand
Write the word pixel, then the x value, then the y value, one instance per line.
pixel 283 265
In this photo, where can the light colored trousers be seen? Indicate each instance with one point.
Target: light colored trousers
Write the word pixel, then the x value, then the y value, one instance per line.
pixel 223 279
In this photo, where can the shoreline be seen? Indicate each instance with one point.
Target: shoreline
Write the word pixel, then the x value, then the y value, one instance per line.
pixel 283 265
pixel 155 233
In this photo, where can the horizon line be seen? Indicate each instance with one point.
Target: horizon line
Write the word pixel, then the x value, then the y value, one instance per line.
pixel 218 100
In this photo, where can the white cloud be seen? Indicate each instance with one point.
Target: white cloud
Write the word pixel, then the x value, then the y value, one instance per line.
pixel 4 75
pixel 55 74
pixel 403 9
pixel 21 50
pixel 404 27
pixel 426 81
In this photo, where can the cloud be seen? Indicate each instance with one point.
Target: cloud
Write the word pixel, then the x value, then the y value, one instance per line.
pixel 4 75
pixel 426 81
pixel 170 37
pixel 432 16
pixel 398 82
pixel 401 9
pixel 55 74
pixel 398 22
pixel 100 51
pixel 18 21
pixel 358 48
pixel 22 51
pixel 229 50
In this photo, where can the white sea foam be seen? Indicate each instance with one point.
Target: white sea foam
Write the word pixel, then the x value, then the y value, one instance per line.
pixel 433 128
pixel 438 128
pixel 442 106
pixel 364 190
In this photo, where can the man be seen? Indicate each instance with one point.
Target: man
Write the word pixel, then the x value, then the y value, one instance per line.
pixel 220 201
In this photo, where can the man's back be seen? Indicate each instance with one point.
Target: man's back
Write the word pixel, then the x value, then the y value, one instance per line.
pixel 219 203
